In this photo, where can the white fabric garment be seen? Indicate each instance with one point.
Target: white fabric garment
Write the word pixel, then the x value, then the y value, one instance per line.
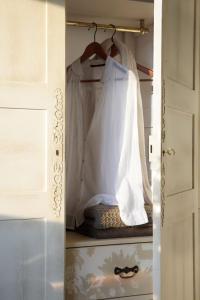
pixel 127 59
pixel 103 147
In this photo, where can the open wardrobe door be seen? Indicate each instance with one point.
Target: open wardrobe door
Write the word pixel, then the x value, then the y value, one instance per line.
pixel 177 71
pixel 32 92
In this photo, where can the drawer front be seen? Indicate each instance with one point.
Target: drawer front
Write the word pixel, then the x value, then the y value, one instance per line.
pixel 90 271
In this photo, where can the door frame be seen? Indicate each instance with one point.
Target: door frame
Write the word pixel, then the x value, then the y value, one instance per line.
pixel 158 127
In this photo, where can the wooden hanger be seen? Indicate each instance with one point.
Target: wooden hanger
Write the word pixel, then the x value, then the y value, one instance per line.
pixel 96 48
pixel 141 68
pixel 114 52
pixel 93 48
pixel 145 70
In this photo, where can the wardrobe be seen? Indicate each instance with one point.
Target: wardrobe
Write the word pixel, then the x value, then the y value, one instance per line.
pixel 39 258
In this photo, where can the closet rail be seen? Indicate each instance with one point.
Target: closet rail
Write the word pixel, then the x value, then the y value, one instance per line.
pixel 142 29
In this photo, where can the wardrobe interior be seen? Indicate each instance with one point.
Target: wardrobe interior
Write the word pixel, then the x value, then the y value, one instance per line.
pixel 127 14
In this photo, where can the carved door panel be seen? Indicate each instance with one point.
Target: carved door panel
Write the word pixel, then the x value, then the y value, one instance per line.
pixel 32 82
pixel 179 168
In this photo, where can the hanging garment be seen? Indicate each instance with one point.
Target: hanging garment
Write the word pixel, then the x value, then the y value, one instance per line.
pixel 103 155
pixel 127 59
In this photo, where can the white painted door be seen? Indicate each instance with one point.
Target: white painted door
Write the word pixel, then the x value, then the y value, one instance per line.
pixel 179 63
pixel 32 82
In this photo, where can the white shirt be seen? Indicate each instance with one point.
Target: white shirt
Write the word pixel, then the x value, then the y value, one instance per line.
pixel 103 154
pixel 127 59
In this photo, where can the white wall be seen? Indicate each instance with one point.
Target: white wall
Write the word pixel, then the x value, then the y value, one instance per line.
pixel 144 49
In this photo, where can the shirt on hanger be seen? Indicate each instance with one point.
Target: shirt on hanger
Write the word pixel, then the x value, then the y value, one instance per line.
pixel 103 153
pixel 127 59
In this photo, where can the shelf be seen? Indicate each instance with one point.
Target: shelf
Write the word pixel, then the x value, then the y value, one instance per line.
pixel 76 240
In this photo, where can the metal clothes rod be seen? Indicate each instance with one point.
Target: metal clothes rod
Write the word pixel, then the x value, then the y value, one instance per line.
pixel 142 29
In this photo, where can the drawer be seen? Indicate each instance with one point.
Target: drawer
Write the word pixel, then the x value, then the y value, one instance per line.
pixel 90 271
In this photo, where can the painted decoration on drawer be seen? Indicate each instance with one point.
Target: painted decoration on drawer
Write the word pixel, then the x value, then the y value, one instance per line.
pixel 90 271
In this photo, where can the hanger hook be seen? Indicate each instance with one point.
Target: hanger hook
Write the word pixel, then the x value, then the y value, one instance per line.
pixel 115 30
pixel 96 28
pixel 93 24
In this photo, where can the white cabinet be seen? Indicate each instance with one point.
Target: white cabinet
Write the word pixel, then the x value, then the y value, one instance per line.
pixel 32 130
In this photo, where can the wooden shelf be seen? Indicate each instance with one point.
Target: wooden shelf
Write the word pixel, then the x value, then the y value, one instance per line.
pixel 76 240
